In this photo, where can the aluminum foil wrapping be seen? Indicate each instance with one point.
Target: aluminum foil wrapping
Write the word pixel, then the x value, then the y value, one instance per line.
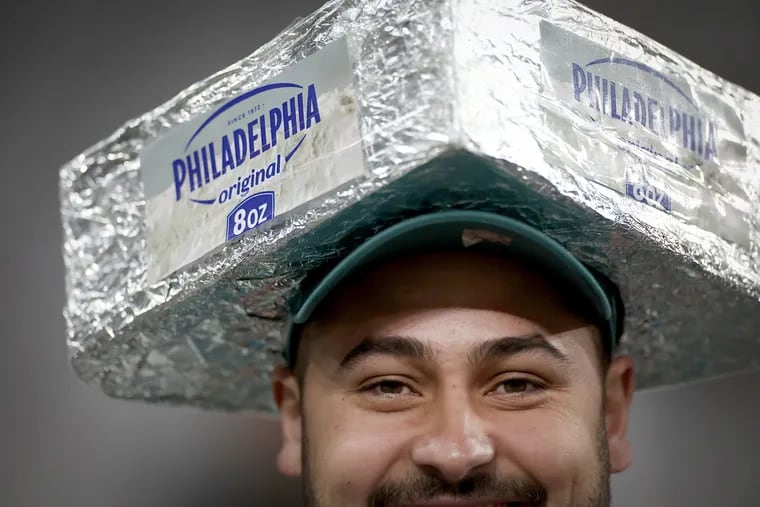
pixel 641 163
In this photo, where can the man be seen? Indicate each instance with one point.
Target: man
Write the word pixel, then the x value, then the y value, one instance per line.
pixel 459 358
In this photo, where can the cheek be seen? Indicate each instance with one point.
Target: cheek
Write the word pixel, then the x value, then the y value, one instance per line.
pixel 556 448
pixel 350 455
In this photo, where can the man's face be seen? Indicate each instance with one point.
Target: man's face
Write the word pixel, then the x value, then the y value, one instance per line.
pixel 453 379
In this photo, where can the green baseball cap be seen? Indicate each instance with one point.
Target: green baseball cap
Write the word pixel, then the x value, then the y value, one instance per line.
pixel 470 230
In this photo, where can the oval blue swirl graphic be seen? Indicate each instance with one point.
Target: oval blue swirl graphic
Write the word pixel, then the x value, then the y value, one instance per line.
pixel 646 68
pixel 237 100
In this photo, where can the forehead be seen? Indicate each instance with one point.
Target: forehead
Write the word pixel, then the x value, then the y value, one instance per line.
pixel 453 281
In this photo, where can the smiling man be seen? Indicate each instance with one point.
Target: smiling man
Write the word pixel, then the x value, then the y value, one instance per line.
pixel 456 359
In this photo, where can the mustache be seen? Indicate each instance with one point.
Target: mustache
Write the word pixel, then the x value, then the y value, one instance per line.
pixel 428 487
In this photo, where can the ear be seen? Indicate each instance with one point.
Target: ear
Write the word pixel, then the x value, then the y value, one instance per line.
pixel 287 396
pixel 618 396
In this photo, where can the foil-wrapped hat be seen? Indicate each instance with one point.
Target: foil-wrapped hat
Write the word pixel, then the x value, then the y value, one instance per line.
pixel 188 232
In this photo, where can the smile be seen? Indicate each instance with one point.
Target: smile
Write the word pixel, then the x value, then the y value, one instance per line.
pixel 452 502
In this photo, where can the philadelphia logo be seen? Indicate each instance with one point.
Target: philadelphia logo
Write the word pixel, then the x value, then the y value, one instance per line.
pixel 673 117
pixel 198 167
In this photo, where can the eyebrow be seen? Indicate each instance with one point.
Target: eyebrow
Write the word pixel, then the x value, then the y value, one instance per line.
pixel 500 348
pixel 404 347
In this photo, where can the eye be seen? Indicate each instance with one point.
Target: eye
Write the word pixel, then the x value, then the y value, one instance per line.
pixel 388 389
pixel 517 386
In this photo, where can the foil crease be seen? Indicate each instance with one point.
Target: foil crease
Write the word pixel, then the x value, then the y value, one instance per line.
pixel 441 85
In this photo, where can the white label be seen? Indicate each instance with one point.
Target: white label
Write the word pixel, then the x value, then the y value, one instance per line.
pixel 254 157
pixel 644 132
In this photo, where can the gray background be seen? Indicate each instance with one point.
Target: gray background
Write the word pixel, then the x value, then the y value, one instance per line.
pixel 72 72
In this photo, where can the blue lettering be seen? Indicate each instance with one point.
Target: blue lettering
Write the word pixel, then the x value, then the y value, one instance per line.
pixel 204 156
pixel 579 81
pixel 689 140
pixel 699 136
pixel 194 171
pixel 200 167
pixel 273 169
pixel 252 137
pixel 597 92
pixel 275 121
pixel 693 132
pixel 640 111
pixel 179 170
pixel 289 117
pixel 264 142
pixel 626 113
pixel 301 121
pixel 212 155
pixel 651 104
pixel 710 146
pixel 261 175
pixel 312 107
pixel 241 146
pixel 675 121
pixel 613 100
pixel 227 160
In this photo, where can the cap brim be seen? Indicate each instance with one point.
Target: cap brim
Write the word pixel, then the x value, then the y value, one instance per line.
pixel 462 230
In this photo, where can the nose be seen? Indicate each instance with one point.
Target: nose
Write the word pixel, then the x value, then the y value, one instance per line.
pixel 455 445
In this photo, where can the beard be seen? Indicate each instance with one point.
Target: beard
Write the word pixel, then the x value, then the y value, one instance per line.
pixel 426 487
pixel 420 487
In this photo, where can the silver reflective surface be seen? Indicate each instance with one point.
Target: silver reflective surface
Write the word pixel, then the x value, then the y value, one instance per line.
pixel 448 92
